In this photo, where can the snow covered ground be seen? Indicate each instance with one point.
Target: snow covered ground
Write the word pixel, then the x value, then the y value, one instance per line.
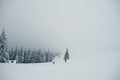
pixel 94 67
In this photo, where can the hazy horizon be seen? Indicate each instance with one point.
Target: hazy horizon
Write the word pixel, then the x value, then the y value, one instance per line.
pixel 80 25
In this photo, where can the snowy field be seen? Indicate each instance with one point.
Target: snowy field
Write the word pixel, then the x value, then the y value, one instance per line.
pixel 102 67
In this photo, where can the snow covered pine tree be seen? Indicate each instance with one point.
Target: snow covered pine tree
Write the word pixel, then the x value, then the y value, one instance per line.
pixel 66 56
pixel 4 56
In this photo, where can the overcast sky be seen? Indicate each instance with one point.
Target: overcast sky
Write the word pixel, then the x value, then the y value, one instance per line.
pixel 57 24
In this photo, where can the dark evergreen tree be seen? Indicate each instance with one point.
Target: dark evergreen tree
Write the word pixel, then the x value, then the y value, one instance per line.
pixel 40 54
pixel 11 54
pixel 46 57
pixel 3 47
pixel 33 56
pixel 50 56
pixel 36 57
pixel 66 56
pixel 20 56
pixel 29 56
pixel 16 54
pixel 25 56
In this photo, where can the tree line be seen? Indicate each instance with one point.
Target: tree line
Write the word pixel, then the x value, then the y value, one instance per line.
pixel 31 56
pixel 22 55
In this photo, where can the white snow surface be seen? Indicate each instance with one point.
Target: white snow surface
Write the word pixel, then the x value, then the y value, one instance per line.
pixel 93 67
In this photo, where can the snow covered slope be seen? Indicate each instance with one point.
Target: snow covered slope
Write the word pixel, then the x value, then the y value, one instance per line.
pixel 89 68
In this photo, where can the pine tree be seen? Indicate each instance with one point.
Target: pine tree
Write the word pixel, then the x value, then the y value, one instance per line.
pixel 36 57
pixel 25 56
pixel 11 54
pixel 66 56
pixel 46 56
pixel 4 47
pixel 15 54
pixel 33 56
pixel 29 56
pixel 40 56
pixel 21 55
